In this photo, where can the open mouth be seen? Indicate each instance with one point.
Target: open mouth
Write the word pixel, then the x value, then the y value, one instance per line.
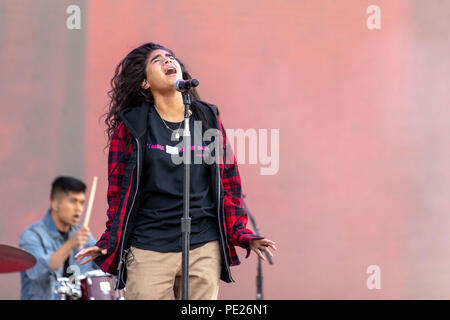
pixel 171 70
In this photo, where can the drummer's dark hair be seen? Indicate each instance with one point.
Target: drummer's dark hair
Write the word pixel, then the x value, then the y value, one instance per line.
pixel 65 185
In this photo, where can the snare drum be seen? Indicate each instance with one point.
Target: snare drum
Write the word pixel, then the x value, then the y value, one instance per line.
pixel 98 285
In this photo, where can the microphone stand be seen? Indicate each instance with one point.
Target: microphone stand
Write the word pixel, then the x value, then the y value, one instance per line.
pixel 259 277
pixel 186 220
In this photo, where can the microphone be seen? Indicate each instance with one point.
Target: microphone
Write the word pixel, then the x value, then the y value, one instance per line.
pixel 185 85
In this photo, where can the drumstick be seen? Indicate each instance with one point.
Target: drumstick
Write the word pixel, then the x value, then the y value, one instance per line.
pixel 91 201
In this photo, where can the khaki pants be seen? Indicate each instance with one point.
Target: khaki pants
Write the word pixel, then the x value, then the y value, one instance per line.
pixel 157 275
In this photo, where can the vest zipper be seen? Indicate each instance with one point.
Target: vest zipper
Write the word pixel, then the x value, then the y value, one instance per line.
pixel 121 261
pixel 219 212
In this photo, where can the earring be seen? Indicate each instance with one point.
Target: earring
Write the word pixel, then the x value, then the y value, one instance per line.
pixel 144 84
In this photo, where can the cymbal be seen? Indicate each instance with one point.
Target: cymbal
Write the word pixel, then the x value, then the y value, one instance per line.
pixel 14 259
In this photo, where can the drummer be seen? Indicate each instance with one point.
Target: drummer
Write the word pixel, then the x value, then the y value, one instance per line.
pixel 55 239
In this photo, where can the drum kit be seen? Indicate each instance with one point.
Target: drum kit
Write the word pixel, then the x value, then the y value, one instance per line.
pixel 93 285
pixel 14 259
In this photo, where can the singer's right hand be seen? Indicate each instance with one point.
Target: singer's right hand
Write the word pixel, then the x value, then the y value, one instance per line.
pixel 91 252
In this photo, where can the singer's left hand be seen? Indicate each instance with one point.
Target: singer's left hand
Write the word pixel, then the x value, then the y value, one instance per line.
pixel 260 245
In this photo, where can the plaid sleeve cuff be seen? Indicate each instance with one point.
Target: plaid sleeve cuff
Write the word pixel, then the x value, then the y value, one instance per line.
pixel 102 243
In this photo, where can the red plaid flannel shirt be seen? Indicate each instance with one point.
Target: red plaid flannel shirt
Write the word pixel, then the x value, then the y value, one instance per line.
pixel 235 214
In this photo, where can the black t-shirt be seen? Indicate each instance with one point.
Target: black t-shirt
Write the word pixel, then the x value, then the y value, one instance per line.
pixel 158 222
pixel 65 236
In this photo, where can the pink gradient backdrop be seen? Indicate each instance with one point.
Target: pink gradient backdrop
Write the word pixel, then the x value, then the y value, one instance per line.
pixel 363 118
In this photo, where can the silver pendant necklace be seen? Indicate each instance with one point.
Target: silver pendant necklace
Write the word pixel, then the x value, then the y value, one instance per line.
pixel 177 135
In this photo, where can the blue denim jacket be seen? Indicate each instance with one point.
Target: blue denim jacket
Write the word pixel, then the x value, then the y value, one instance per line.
pixel 41 239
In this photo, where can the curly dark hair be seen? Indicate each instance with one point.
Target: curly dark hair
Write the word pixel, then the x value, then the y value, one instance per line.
pixel 126 91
